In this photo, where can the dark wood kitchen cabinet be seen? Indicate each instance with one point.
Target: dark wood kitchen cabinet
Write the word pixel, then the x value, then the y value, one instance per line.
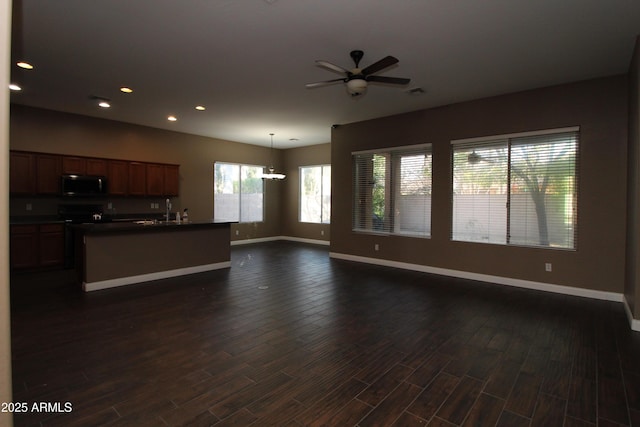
pixel 74 165
pixel 48 172
pixel 23 241
pixel 21 173
pixel 171 180
pixel 84 166
pixel 137 179
pixel 39 174
pixel 97 167
pixel 118 177
pixel 162 179
pixel 155 179
pixel 34 173
pixel 36 246
pixel 51 245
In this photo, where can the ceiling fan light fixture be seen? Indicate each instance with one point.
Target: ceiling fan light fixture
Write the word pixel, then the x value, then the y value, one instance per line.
pixel 356 86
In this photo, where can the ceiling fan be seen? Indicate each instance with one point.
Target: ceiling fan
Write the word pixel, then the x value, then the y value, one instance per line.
pixel 356 78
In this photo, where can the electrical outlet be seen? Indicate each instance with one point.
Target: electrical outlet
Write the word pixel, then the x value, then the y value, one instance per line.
pixel 548 267
pixel 237 232
pixel 322 232
pixel 109 205
pixel 153 205
pixel 29 206
pixel 376 247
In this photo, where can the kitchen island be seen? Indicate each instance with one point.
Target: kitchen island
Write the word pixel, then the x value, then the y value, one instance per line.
pixel 123 253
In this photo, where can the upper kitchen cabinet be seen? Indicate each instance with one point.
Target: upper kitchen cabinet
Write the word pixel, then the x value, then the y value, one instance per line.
pixel 21 173
pixel 137 179
pixel 118 177
pixel 155 180
pixel 171 180
pixel 48 172
pixel 34 173
pixel 162 179
pixel 74 165
pixel 39 173
pixel 84 166
pixel 97 167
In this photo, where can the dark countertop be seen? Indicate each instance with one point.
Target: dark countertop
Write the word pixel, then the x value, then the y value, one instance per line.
pixel 146 226
pixel 30 220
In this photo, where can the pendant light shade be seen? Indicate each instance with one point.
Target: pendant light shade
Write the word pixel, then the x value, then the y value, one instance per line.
pixel 270 170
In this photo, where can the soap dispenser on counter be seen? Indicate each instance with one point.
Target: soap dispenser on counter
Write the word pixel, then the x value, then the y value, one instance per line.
pixel 185 215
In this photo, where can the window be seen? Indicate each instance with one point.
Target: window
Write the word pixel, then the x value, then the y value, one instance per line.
pixel 392 191
pixel 518 189
pixel 238 192
pixel 315 194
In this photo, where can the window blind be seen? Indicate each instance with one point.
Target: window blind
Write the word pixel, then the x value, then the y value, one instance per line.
pixel 392 191
pixel 519 190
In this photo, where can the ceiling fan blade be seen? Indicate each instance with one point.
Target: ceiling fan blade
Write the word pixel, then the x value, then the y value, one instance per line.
pixel 380 65
pixel 324 83
pixel 332 67
pixel 390 80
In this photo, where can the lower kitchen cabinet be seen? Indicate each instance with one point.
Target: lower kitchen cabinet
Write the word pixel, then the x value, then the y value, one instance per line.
pixel 36 246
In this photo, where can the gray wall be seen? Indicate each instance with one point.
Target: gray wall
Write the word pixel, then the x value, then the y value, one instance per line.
pixel 598 107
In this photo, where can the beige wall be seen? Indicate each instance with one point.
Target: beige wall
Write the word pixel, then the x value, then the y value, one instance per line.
pixel 48 131
pixel 599 107
pixel 632 279
pixel 5 327
pixel 293 159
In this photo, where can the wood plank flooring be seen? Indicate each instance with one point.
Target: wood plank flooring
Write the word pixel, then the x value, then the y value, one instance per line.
pixel 289 337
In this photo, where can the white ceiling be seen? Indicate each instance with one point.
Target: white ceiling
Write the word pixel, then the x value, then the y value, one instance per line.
pixel 248 61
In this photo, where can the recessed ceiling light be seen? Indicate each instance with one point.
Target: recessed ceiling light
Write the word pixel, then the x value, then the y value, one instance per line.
pixel 172 118
pixel 15 87
pixel 25 65
pixel 104 104
pixel 200 107
pixel 125 89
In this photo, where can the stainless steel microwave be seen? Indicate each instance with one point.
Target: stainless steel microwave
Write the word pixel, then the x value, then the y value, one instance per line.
pixel 83 185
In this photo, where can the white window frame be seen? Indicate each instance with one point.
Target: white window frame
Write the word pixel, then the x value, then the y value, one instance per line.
pixel 393 220
pixel 510 212
pixel 325 193
pixel 239 217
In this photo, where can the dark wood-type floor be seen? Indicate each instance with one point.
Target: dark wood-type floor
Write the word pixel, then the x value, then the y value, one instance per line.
pixel 329 342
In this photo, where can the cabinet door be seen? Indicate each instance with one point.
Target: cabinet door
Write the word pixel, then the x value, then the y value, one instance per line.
pixel 155 180
pixel 21 173
pixel 24 246
pixel 171 180
pixel 74 165
pixel 97 167
pixel 48 171
pixel 118 177
pixel 51 245
pixel 137 179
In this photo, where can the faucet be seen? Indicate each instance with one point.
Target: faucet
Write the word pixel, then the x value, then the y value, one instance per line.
pixel 168 209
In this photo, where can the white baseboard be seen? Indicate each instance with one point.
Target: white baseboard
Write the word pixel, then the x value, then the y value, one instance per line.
pixel 635 323
pixel 301 240
pixel 275 238
pixel 122 281
pixel 256 240
pixel 560 289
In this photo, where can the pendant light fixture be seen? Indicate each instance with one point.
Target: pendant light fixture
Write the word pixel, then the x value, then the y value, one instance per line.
pixel 271 174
